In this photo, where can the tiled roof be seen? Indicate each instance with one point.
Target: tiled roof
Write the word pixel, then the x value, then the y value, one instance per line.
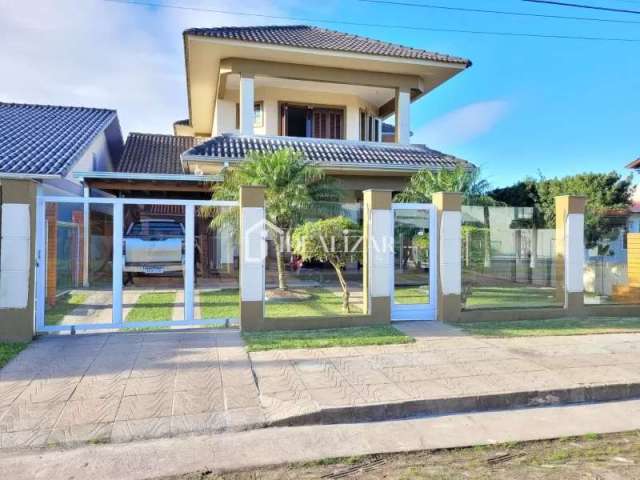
pixel 45 139
pixel 305 36
pixel 635 164
pixel 154 153
pixel 328 152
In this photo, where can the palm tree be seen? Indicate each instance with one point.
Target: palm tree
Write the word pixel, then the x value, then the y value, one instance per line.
pixel 467 181
pixel 295 190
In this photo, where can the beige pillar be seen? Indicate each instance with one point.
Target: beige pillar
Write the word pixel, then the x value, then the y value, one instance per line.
pixel 378 255
pixel 252 257
pixel 448 208
pixel 403 117
pixel 569 247
pixel 17 265
pixel 247 100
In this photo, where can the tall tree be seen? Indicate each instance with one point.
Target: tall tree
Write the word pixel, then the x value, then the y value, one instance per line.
pixel 606 193
pixel 295 190
pixel 467 181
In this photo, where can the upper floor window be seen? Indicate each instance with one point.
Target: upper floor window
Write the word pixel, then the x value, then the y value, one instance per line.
pixel 369 127
pixel 311 121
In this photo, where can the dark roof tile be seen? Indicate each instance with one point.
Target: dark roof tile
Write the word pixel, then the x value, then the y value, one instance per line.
pixel 154 153
pixel 47 139
pixel 328 152
pixel 305 36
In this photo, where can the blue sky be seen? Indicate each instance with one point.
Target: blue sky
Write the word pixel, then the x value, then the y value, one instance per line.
pixel 526 106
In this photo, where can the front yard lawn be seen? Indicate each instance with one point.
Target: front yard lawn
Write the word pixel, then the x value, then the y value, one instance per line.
pixel 501 297
pixel 10 350
pixel 153 307
pixel 65 304
pixel 554 326
pixel 334 337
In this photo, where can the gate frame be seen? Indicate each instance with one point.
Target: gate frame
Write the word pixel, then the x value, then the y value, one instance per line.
pixel 117 260
pixel 399 312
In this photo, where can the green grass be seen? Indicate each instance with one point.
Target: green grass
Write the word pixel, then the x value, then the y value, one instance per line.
pixel 65 304
pixel 555 326
pixel 220 304
pixel 335 337
pixel 411 295
pixel 153 307
pixel 322 303
pixel 10 350
pixel 504 297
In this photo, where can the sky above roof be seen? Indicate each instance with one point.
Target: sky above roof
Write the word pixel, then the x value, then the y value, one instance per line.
pixel 527 106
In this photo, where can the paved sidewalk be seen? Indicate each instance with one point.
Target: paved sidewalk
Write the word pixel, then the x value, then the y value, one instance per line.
pixel 277 446
pixel 127 386
pixel 443 372
pixel 124 386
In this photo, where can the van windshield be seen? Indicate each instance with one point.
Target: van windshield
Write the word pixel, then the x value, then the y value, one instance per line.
pixel 156 229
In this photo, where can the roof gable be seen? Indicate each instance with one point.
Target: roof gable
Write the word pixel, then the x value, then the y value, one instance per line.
pixel 46 139
pixel 305 36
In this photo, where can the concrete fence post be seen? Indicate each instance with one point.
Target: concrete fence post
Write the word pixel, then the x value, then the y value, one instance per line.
pixel 448 208
pixel 17 259
pixel 252 257
pixel 377 255
pixel 569 248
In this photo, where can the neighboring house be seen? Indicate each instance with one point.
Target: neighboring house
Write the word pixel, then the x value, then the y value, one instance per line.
pixel 323 93
pixel 41 147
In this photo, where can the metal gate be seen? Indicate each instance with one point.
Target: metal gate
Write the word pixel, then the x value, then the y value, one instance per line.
pixel 415 266
pixel 132 263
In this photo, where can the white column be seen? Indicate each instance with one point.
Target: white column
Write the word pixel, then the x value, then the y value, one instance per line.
pixel 450 256
pixel 247 100
pixel 403 120
pixel 86 212
pixel 117 263
pixel 574 253
pixel 252 254
pixel 189 246
pixel 381 253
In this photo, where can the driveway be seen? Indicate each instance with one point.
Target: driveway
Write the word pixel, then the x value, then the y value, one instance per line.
pixel 124 386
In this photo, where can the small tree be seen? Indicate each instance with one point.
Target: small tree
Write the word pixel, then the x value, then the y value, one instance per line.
pixel 332 241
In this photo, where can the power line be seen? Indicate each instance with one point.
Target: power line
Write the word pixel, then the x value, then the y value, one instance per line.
pixel 497 12
pixel 378 25
pixel 581 5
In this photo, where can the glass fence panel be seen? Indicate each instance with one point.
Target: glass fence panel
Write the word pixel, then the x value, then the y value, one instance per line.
pixel 508 258
pixel 314 266
pixel 612 260
pixel 78 264
pixel 411 257
pixel 217 250
pixel 153 263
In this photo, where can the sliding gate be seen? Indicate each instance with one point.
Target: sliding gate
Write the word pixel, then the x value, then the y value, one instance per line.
pixel 114 263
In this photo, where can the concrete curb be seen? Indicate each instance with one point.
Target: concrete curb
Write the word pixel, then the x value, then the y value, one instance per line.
pixel 456 405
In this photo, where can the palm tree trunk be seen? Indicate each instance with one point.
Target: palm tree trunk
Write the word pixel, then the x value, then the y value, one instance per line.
pixel 282 275
pixel 345 289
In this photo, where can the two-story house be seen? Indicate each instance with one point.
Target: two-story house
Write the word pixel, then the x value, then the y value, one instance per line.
pixel 324 93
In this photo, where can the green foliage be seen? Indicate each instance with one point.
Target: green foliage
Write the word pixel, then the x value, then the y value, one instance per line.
pixel 467 181
pixel 604 192
pixel 293 187
pixel 331 240
pixel 521 194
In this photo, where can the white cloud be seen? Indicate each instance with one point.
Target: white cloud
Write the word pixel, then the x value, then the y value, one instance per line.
pixel 105 54
pixel 462 125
